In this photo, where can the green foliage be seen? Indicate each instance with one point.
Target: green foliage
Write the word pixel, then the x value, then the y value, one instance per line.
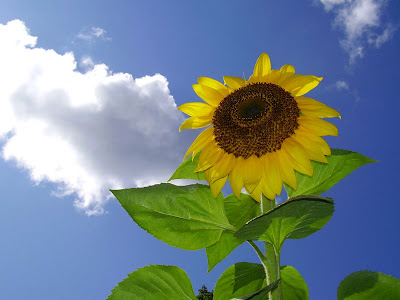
pixel 204 294
pixel 186 170
pixel 239 280
pixel 340 164
pixel 187 217
pixel 238 212
pixel 261 294
pixel 295 218
pixel 154 282
pixel 293 285
pixel 368 285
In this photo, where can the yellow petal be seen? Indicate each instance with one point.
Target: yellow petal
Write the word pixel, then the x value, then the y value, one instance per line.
pixel 326 150
pixel 318 126
pixel 313 150
pixel 213 84
pixel 284 76
pixel 277 76
pixel 215 186
pixel 262 67
pixel 235 177
pixel 200 92
pixel 256 193
pixel 195 122
pixel 203 139
pixel 311 107
pixel 209 157
pixel 197 109
pixel 299 85
pixel 272 76
pixel 266 190
pixel 298 157
pixel 272 173
pixel 287 68
pixel 234 82
pixel 213 94
pixel 288 174
pixel 252 172
pixel 223 167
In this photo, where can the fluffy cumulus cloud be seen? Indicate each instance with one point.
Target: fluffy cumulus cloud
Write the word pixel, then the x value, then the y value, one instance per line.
pixel 361 23
pixel 88 132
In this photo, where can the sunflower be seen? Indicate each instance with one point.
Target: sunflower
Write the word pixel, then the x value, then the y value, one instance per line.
pixel 262 129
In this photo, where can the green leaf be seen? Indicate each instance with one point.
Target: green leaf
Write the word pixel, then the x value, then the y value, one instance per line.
pixel 295 218
pixel 186 170
pixel 368 285
pixel 240 280
pixel 187 217
pixel 261 294
pixel 154 282
pixel 293 285
pixel 238 212
pixel 340 164
pixel 221 249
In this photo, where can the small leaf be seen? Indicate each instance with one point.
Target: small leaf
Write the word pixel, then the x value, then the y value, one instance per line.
pixel 293 285
pixel 154 282
pixel 187 217
pixel 368 285
pixel 238 212
pixel 295 218
pixel 239 280
pixel 186 170
pixel 340 164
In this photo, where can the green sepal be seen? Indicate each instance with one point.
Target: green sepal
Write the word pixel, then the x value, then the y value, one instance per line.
pixel 186 170
pixel 295 218
pixel 238 212
pixel 154 282
pixel 340 164
pixel 294 286
pixel 239 280
pixel 368 285
pixel 187 217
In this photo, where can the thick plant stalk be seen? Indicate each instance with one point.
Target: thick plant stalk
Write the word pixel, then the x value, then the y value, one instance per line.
pixel 272 256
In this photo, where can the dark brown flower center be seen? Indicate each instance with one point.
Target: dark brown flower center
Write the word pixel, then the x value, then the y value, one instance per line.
pixel 255 119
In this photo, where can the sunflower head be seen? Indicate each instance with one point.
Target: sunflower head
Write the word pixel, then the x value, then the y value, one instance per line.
pixel 262 129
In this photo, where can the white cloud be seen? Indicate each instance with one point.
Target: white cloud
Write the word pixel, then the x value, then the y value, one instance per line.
pixel 88 132
pixel 329 4
pixel 342 85
pixel 89 34
pixel 378 39
pixel 360 20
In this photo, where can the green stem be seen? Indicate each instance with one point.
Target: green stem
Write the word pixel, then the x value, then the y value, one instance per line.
pixel 272 256
pixel 266 204
pixel 261 256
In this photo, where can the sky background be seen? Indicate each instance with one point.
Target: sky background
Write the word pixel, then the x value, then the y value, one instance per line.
pixel 88 96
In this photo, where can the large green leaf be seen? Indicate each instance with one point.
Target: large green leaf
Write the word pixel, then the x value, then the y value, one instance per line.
pixel 240 280
pixel 186 170
pixel 368 285
pixel 187 217
pixel 340 164
pixel 295 218
pixel 293 285
pixel 238 212
pixel 154 282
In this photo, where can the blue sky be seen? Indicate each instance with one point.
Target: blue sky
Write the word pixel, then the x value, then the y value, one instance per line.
pixel 91 105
